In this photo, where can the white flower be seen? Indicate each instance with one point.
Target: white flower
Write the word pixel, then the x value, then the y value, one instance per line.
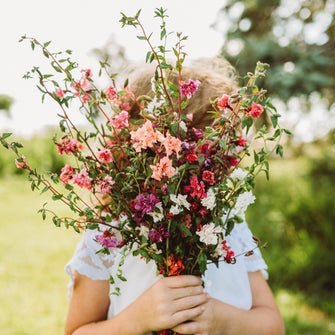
pixel 175 210
pixel 242 203
pixel 157 216
pixel 208 233
pixel 239 174
pixel 143 231
pixel 180 200
pixel 209 201
pixel 154 249
pixel 183 126
pixel 152 105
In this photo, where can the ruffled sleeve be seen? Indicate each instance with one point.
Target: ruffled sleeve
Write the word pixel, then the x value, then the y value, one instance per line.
pixel 254 262
pixel 87 261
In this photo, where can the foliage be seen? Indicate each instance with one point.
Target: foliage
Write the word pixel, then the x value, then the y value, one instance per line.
pixel 296 214
pixel 295 37
pixel 41 152
pixel 5 103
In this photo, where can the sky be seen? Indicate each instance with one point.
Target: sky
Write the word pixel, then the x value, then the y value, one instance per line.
pixel 80 25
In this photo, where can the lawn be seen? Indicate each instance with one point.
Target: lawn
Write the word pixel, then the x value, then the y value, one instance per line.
pixel 33 283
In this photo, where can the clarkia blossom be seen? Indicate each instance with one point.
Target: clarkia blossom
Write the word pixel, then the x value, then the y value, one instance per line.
pixel 146 136
pixel 59 92
pixel 157 235
pixel 66 174
pixel 111 93
pixel 105 156
pixel 107 240
pixel 120 120
pixel 189 87
pixel 82 179
pixel 255 110
pixel 243 201
pixel 21 162
pixel 163 168
pixel 209 233
pixel 208 176
pixel 68 146
pixel 145 203
pixel 105 186
pixel 180 200
pixel 157 214
pixel 171 144
pixel 210 200
pixel 223 102
pixel 175 265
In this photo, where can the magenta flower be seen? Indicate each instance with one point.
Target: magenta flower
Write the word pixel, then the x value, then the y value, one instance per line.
pixel 158 234
pixel 144 204
pixel 107 240
pixel 189 87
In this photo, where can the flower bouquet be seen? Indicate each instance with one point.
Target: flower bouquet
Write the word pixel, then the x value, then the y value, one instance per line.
pixel 160 188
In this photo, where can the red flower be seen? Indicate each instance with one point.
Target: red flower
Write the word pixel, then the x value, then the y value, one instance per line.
pixel 208 176
pixel 255 110
pixel 190 156
pixel 175 265
pixel 242 141
pixel 198 189
pixel 233 161
pixel 223 102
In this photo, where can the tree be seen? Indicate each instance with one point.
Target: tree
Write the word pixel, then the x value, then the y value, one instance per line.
pixel 5 103
pixel 297 38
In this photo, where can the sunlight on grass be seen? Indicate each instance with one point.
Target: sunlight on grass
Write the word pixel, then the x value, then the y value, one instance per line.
pixel 32 258
pixel 300 317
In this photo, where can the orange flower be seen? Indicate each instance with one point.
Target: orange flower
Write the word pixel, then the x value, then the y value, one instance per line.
pixel 162 168
pixel 145 136
pixel 175 265
pixel 172 143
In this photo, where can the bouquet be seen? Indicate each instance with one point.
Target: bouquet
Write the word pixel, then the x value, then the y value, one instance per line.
pixel 160 188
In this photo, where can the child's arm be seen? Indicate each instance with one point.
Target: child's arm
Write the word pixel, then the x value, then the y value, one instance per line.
pixel 169 302
pixel 220 318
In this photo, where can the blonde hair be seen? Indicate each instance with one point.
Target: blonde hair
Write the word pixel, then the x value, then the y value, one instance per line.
pixel 216 76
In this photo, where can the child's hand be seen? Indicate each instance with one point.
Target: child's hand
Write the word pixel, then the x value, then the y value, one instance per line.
pixel 169 302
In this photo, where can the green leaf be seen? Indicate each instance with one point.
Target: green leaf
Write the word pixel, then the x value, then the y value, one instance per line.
pixel 46 44
pixel 57 197
pixel 202 261
pixel 183 228
pixel 6 135
pixel 141 37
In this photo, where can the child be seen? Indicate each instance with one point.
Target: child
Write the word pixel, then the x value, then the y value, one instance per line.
pixel 236 298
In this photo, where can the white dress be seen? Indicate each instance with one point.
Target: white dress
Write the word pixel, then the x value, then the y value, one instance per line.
pixel 228 282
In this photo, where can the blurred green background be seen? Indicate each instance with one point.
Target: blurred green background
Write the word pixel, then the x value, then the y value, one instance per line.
pixel 294 211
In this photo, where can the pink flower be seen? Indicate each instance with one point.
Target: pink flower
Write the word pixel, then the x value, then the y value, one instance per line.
pixel 255 110
pixel 120 120
pixel 189 87
pixel 162 168
pixel 68 146
pixel 87 73
pixel 59 92
pixel 85 83
pixel 105 186
pixel 223 102
pixel 107 240
pixel 82 179
pixel 111 93
pixel 198 189
pixel 208 176
pixel 105 156
pixel 66 174
pixel 172 144
pixel 21 162
pixel 190 116
pixel 145 136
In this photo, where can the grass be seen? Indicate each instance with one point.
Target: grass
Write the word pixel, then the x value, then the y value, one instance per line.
pixel 33 283
pixel 32 257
